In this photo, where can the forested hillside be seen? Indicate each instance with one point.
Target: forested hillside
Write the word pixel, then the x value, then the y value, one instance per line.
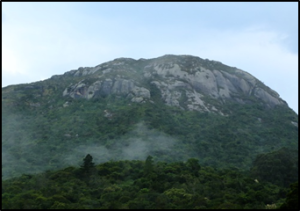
pixel 37 139
pixel 144 185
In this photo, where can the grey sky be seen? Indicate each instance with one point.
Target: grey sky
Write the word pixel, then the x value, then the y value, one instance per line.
pixel 44 39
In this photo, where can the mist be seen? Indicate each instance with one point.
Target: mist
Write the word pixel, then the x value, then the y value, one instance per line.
pixel 136 145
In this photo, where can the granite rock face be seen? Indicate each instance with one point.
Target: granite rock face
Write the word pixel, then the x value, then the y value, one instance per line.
pixel 188 82
pixel 103 88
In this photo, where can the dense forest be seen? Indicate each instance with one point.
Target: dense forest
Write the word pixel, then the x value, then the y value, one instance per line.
pixel 145 185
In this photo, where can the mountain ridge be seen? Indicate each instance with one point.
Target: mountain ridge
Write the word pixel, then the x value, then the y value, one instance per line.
pixel 171 107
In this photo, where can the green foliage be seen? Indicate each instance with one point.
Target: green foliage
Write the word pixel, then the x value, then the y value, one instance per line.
pixel 292 199
pixel 148 166
pixel 278 167
pixel 165 186
pixel 193 166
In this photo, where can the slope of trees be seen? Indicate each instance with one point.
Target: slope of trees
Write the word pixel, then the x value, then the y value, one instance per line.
pixel 143 185
pixel 215 140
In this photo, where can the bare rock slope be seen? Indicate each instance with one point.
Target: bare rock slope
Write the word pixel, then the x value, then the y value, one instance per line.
pixel 188 82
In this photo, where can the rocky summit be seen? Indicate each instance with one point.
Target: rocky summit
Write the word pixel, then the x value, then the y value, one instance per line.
pixel 187 82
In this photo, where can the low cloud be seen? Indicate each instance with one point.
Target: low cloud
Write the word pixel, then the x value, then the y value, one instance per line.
pixel 136 145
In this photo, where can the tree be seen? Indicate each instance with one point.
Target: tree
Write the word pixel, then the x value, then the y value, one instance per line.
pixel 88 166
pixel 148 168
pixel 278 167
pixel 193 165
pixel 292 199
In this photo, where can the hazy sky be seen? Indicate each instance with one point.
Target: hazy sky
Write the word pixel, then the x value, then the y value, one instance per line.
pixel 49 38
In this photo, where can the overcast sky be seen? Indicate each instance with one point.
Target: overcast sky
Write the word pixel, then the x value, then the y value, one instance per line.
pixel 44 39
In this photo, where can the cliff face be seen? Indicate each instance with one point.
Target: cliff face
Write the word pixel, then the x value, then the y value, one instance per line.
pixel 183 81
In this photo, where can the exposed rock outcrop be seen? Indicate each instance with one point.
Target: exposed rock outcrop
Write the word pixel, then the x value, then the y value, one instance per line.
pixel 295 123
pixel 103 88
pixel 183 81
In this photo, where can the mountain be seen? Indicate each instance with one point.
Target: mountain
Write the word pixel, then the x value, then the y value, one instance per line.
pixel 171 107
